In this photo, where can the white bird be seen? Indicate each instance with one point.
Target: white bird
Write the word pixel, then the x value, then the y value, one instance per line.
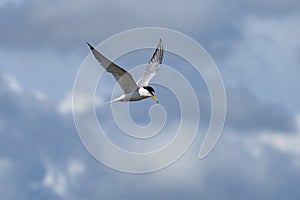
pixel 133 91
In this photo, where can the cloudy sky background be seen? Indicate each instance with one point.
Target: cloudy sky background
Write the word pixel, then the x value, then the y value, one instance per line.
pixel 256 46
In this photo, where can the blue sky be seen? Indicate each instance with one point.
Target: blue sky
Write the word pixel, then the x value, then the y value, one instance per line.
pixel 256 46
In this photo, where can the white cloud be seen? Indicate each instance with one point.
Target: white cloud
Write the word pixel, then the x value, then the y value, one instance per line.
pixel 14 86
pixel 40 95
pixel 61 179
pixel 271 7
pixel 282 141
pixel 75 169
pixel 83 103
pixel 51 23
pixel 55 180
pixel 6 166
pixel 266 59
pixel 14 2
pixel 12 83
pixel 231 171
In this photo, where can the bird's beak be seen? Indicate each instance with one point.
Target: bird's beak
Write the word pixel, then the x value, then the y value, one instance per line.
pixel 155 99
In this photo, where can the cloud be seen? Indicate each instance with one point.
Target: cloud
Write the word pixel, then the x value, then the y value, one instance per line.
pixel 266 59
pixel 12 83
pixel 46 155
pixel 275 8
pixel 255 44
pixel 7 168
pixel 56 181
pixel 6 165
pixel 283 142
pixel 31 130
pixel 66 26
pixel 61 180
pixel 66 107
pixel 247 113
pixel 12 2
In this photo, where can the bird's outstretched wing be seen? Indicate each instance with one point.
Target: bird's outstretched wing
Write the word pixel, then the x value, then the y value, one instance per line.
pixel 124 78
pixel 153 65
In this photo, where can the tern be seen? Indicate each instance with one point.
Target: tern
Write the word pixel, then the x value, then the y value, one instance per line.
pixel 133 91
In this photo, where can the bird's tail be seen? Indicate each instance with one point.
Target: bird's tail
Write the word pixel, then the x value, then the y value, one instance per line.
pixel 120 98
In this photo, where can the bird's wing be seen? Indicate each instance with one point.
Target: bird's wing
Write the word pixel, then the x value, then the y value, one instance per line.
pixel 124 78
pixel 153 65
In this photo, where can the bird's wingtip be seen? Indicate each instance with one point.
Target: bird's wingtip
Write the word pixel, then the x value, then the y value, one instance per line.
pixel 160 42
pixel 91 47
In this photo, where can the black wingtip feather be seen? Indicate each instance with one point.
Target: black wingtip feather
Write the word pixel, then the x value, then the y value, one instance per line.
pixel 91 47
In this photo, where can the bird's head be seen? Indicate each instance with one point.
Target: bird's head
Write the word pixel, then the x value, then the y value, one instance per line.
pixel 148 91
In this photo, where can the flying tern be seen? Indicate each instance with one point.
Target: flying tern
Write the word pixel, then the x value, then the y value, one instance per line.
pixel 133 91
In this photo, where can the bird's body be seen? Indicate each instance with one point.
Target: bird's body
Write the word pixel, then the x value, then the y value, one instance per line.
pixel 133 91
pixel 135 95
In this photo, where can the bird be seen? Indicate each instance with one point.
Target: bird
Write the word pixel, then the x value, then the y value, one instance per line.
pixel 133 91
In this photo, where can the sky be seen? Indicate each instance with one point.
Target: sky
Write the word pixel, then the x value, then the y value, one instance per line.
pixel 255 45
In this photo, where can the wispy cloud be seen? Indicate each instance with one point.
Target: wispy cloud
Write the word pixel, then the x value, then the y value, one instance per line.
pixel 256 47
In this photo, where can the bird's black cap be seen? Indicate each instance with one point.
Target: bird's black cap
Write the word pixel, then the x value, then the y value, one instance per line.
pixel 150 89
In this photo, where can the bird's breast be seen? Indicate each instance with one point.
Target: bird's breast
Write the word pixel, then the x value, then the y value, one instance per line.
pixel 133 96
